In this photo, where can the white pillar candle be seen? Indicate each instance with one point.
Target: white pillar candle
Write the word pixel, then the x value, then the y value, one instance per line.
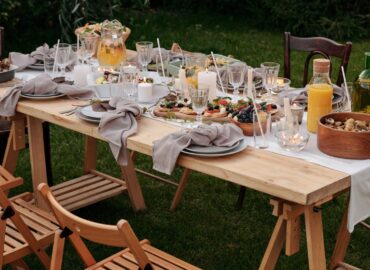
pixel 129 69
pixel 250 82
pixel 177 84
pixel 80 73
pixel 183 83
pixel 145 92
pixel 208 79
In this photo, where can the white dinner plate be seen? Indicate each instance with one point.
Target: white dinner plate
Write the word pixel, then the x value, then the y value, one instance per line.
pixel 43 97
pixel 86 118
pixel 239 148
pixel 89 112
pixel 36 67
pixel 211 149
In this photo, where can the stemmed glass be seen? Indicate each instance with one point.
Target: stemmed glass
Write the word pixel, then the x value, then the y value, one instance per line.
pixel 144 51
pixel 199 101
pixel 89 45
pixel 236 73
pixel 63 56
pixel 270 72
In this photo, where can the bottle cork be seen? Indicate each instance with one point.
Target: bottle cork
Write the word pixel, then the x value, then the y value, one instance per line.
pixel 321 65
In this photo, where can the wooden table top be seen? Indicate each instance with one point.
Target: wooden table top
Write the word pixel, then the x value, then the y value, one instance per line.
pixel 285 177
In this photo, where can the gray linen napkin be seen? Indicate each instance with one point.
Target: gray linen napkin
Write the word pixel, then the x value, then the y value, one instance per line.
pixel 41 84
pixel 118 124
pixel 24 60
pixel 167 149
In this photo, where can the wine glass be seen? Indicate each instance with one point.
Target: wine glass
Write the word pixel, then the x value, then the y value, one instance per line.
pixel 88 46
pixel 144 53
pixel 199 101
pixel 236 73
pixel 270 71
pixel 63 56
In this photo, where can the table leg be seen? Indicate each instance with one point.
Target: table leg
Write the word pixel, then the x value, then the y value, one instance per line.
pixel 90 154
pixel 343 238
pixel 37 157
pixel 180 189
pixel 16 141
pixel 133 186
pixel 275 245
pixel 315 238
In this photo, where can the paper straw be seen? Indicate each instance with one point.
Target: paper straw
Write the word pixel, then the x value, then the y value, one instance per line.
pixel 346 88
pixel 160 56
pixel 78 48
pixel 55 56
pixel 258 117
pixel 218 73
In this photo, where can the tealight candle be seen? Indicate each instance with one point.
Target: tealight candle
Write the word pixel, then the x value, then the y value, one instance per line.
pixel 145 92
pixel 80 73
pixel 208 79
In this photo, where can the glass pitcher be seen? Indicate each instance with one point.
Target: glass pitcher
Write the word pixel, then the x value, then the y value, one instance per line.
pixel 112 49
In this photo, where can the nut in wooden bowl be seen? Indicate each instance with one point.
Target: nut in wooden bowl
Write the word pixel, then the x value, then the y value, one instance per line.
pixel 336 136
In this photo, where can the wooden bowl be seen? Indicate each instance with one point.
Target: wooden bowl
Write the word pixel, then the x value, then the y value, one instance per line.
pixel 248 127
pixel 344 144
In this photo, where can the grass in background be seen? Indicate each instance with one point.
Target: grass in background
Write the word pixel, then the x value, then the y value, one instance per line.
pixel 206 230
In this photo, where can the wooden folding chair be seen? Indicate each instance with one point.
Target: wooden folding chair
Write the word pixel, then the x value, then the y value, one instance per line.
pixel 23 227
pixel 135 255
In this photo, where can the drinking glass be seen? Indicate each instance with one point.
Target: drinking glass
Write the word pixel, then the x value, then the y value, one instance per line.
pixel 144 53
pixel 63 56
pixel 199 100
pixel 128 80
pixel 270 71
pixel 263 121
pixel 89 45
pixel 236 73
pixel 49 65
pixel 158 63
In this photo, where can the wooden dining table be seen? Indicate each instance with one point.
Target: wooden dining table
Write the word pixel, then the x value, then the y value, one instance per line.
pixel 296 187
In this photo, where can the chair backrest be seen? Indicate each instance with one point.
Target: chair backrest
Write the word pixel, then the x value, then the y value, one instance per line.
pixel 1 41
pixel 76 228
pixel 315 46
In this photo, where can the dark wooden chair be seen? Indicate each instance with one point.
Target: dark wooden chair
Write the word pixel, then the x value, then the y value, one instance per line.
pixel 1 41
pixel 315 46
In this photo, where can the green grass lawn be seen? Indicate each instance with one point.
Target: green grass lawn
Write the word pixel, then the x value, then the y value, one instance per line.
pixel 206 229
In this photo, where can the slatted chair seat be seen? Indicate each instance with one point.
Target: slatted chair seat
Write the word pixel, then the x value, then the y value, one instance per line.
pixel 124 260
pixel 42 225
pixel 24 228
pixel 134 255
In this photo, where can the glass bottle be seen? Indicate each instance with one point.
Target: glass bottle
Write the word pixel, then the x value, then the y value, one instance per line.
pixel 320 94
pixel 361 93
pixel 112 49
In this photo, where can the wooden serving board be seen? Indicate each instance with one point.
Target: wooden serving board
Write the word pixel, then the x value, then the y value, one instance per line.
pixel 178 115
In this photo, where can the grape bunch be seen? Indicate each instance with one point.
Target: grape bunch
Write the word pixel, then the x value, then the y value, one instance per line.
pixel 245 115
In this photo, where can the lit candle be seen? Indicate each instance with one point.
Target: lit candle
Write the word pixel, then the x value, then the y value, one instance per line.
pixel 80 73
pixel 177 84
pixel 208 79
pixel 145 92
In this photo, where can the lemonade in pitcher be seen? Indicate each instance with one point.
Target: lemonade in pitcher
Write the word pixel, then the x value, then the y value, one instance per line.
pixel 112 50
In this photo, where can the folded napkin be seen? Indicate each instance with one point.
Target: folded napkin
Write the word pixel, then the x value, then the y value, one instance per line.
pixel 24 60
pixel 118 124
pixel 167 149
pixel 42 84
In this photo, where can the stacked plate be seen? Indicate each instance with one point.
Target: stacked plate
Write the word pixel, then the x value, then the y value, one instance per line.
pixel 88 114
pixel 37 66
pixel 215 151
pixel 45 96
